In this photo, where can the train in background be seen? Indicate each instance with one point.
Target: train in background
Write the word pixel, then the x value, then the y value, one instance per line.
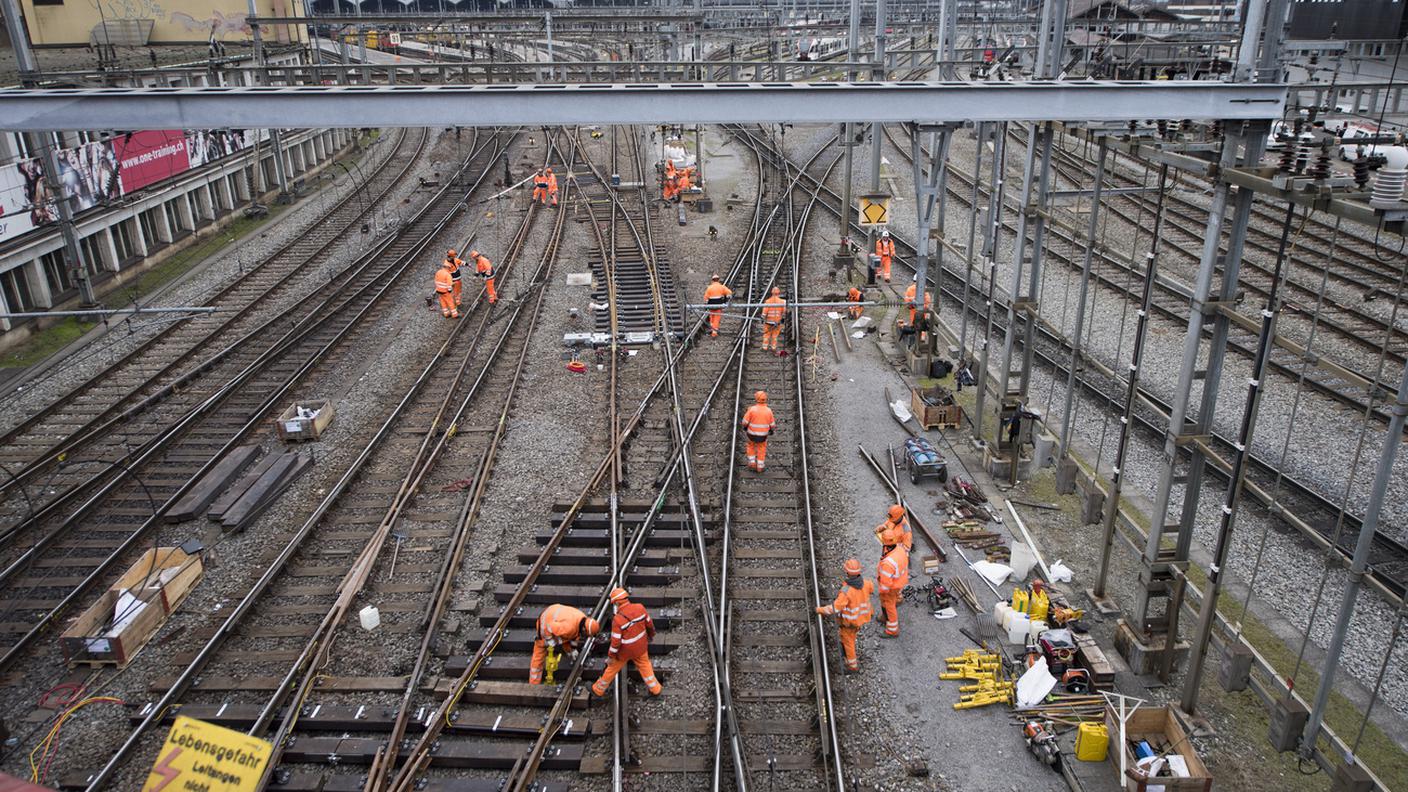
pixel 814 49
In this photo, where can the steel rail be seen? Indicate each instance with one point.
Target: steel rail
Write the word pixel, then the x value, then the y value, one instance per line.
pixel 322 305
pixel 373 292
pixel 202 658
pixel 107 418
pixel 429 452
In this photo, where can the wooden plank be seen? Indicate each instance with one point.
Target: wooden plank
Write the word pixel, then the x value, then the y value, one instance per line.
pixel 322 717
pixel 770 667
pixel 205 491
pixel 649 596
pixel 354 782
pixel 451 753
pixel 785 614
pixel 796 727
pixel 227 499
pixel 267 490
pixel 593 556
pixel 795 640
pixel 600 575
pixel 597 765
pixel 527 616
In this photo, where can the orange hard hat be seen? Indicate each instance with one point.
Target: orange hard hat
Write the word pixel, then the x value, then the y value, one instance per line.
pixel 474 254
pixel 761 397
pixel 896 512
pixel 852 566
pixel 592 626
pixel 547 169
pixel 618 595
pixel 451 252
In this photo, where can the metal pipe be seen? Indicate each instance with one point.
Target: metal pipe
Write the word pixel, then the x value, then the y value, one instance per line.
pixel 877 139
pixel 848 130
pixel 1076 350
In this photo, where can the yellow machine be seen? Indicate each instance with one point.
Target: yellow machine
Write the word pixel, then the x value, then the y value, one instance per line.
pixel 550 665
pixel 985 670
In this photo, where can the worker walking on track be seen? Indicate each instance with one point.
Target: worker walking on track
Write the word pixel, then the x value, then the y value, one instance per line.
pixel 758 423
pixel 560 628
pixel 855 295
pixel 631 631
pixel 485 269
pixel 909 299
pixel 716 294
pixel 668 186
pixel 885 249
pixel 540 187
pixel 852 609
pixel 453 259
pixel 552 186
pixel 445 290
pixel 895 531
pixel 774 309
pixel 893 576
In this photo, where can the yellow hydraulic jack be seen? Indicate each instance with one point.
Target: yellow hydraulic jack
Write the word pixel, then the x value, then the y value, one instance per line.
pixel 550 665
pixel 985 670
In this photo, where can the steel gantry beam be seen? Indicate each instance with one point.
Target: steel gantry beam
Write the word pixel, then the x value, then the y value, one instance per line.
pixel 636 103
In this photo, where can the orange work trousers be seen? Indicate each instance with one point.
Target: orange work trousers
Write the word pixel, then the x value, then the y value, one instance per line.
pixel 715 317
pixel 885 268
pixel 540 195
pixel 912 311
pixel 447 305
pixel 848 647
pixel 889 604
pixel 459 290
pixel 757 453
pixel 489 287
pixel 540 659
pixel 770 334
pixel 553 195
pixel 614 666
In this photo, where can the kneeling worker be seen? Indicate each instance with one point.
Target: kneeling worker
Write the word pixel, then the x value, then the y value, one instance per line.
pixel 852 609
pixel 631 631
pixel 560 628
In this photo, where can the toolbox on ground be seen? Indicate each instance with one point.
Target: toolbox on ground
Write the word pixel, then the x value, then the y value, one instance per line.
pixel 1158 727
pixel 304 420
pixel 922 460
pixel 935 408
pixel 120 623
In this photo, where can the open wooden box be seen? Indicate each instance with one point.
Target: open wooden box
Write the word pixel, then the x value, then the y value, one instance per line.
pixel 293 429
pixel 158 583
pixel 1160 728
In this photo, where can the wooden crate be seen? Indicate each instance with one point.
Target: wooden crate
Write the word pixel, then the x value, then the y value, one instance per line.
pixel 931 417
pixel 161 580
pixel 1161 729
pixel 293 429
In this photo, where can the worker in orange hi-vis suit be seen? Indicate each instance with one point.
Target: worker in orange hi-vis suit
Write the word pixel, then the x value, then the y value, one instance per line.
pixel 559 628
pixel 540 187
pixel 552 186
pixel 716 294
pixel 852 609
pixel 453 259
pixel 893 576
pixel 631 631
pixel 485 269
pixel 885 249
pixel 895 531
pixel 909 299
pixel 774 309
pixel 758 423
pixel 445 290
pixel 682 182
pixel 855 295
pixel 669 188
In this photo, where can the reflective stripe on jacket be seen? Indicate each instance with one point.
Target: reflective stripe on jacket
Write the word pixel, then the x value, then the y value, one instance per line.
pixel 758 421
pixel 560 624
pixel 631 630
pixel 444 281
pixel 774 310
pixel 853 604
pixel 893 571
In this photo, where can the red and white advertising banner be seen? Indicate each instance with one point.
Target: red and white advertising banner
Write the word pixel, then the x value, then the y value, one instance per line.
pixel 145 158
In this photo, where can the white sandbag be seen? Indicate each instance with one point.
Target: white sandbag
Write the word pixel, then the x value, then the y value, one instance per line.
pixel 996 573
pixel 1035 684
pixel 1060 573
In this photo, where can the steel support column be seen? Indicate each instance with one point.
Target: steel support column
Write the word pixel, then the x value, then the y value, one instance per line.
pixel 1076 336
pixel 993 226
pixel 928 188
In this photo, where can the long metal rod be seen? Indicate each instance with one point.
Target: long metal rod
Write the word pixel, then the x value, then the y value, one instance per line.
pixel 1076 349
pixel 111 312
pixel 1233 494
pixel 1112 503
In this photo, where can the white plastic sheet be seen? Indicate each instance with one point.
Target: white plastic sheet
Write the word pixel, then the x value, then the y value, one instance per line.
pixel 1060 573
pixel 1035 684
pixel 997 573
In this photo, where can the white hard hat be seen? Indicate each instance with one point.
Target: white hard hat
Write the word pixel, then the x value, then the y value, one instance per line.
pixel 885 233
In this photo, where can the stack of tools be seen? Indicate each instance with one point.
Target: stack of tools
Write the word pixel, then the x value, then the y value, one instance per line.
pixel 960 587
pixel 988 683
pixel 1065 709
pixel 963 489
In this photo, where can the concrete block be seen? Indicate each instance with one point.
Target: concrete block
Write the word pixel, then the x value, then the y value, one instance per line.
pixel 1288 717
pixel 1235 672
pixel 1044 449
pixel 1066 476
pixel 1145 656
pixel 1351 778
pixel 1092 507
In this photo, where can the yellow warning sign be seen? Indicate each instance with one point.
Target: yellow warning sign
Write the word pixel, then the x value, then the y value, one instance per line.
pixel 874 210
pixel 203 757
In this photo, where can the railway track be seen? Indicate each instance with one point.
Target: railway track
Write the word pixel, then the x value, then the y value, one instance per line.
pixel 170 361
pixel 392 530
pixel 51 569
pixel 1389 566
